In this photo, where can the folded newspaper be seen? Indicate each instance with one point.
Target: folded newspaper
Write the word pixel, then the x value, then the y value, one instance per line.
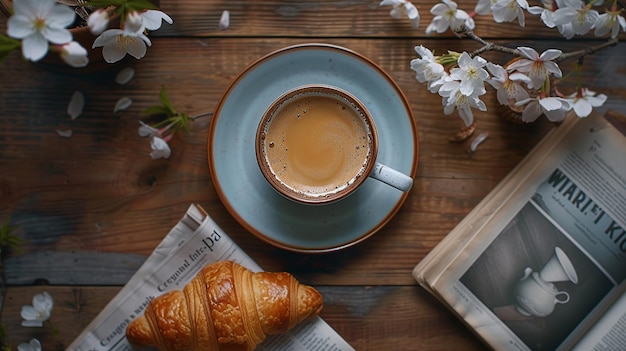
pixel 192 244
pixel 540 263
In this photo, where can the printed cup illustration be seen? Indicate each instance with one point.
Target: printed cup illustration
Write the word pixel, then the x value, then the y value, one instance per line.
pixel 536 293
pixel 317 144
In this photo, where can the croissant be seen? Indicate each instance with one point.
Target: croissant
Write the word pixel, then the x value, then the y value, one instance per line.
pixel 224 307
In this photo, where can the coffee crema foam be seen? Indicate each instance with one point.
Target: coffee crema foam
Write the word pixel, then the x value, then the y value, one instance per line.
pixel 317 144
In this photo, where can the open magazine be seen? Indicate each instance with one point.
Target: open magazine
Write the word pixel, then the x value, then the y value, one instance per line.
pixel 540 263
pixel 193 243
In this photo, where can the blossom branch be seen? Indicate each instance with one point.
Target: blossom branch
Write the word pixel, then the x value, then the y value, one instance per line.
pixel 523 86
pixel 487 46
pixel 491 46
pixel 161 133
pixel 45 25
pixel 588 51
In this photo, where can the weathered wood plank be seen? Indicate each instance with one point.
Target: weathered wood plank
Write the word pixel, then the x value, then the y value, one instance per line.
pixel 359 314
pixel 327 19
pixel 72 268
pixel 93 206
pixel 64 197
pixel 59 256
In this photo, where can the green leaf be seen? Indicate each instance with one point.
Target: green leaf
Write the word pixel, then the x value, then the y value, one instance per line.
pixel 155 110
pixel 7 239
pixel 184 119
pixel 124 6
pixel 165 101
pixel 9 42
pixel 7 45
pixel 105 3
pixel 141 5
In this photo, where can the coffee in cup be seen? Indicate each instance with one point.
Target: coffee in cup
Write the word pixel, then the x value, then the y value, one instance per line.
pixel 316 144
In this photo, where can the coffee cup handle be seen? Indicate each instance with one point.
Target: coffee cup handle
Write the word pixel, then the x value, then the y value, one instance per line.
pixel 565 300
pixel 391 177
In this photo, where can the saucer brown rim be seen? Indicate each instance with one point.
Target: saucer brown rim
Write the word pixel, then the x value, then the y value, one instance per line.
pixel 224 97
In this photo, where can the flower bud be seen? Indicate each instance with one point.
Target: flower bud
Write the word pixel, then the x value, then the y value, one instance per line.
pixel 134 23
pixel 98 21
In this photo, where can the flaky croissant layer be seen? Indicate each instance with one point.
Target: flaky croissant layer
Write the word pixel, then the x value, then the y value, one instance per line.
pixel 225 307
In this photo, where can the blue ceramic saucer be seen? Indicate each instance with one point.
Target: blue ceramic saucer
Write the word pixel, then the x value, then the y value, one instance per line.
pixel 245 192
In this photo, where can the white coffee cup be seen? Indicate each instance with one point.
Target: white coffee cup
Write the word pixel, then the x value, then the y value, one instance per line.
pixel 317 144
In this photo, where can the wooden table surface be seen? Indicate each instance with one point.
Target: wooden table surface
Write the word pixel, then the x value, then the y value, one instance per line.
pixel 93 206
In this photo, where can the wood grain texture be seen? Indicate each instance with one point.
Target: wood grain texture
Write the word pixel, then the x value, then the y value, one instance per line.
pixel 98 190
pixel 327 19
pixel 362 315
pixel 93 206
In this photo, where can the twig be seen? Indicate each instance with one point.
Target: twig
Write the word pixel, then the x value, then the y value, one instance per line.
pixel 205 114
pixel 490 46
pixel 487 46
pixel 588 51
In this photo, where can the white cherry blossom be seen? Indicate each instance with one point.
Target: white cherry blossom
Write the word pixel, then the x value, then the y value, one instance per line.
pixel 610 21
pixel 453 99
pixel 538 67
pixel 37 22
pixel 585 100
pixel 566 30
pixel 469 23
pixel 427 68
pixel 565 3
pixel 529 75
pixel 116 43
pixel 447 15
pixel 509 10
pixel 39 312
pixel 160 148
pixel 152 19
pixel 545 13
pixel 146 130
pixel 471 73
pixel 554 108
pixel 435 85
pixel 484 7
pixel 403 8
pixel 508 87
pixel 581 19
